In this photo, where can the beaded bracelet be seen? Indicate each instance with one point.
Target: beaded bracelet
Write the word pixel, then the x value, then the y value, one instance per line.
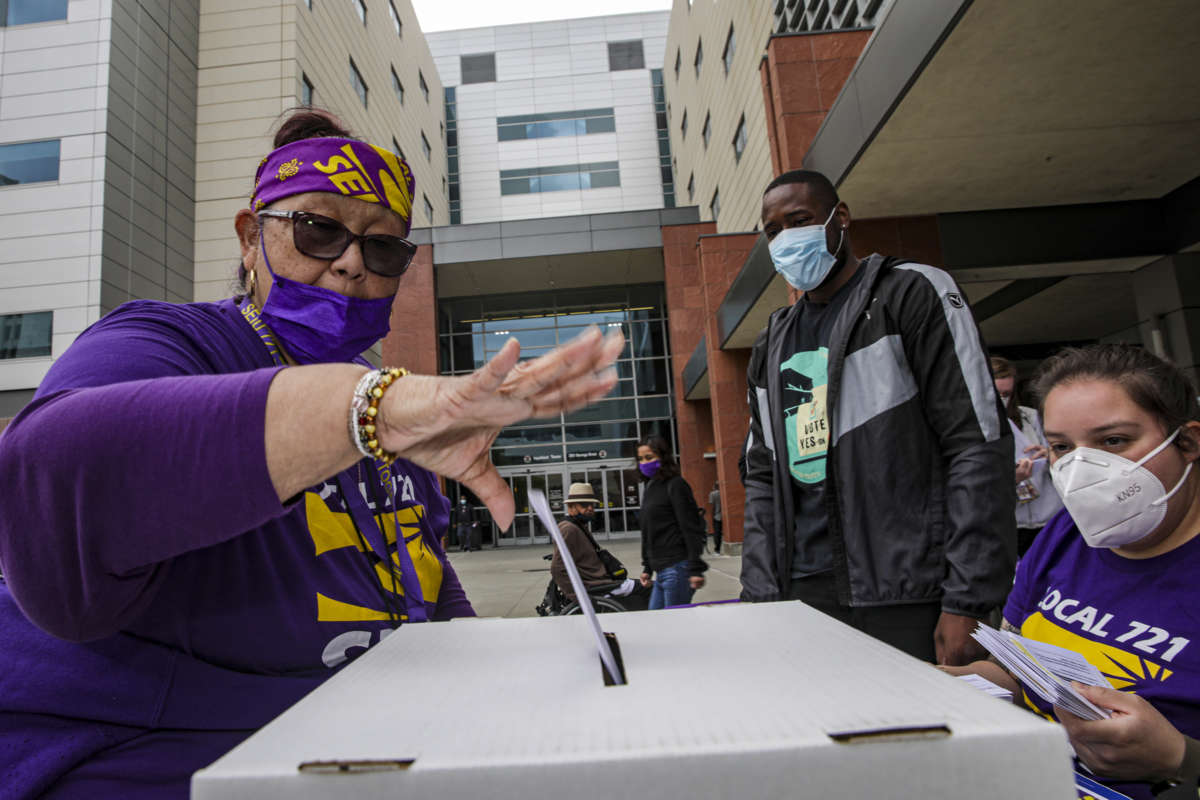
pixel 364 408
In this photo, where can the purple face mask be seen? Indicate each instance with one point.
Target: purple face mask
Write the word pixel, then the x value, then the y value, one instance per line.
pixel 320 326
pixel 650 468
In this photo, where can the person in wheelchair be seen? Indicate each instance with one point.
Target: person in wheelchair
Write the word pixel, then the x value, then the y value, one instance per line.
pixel 607 580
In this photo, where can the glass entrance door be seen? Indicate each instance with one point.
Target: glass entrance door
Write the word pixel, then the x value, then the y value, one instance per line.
pixel 619 496
pixel 615 486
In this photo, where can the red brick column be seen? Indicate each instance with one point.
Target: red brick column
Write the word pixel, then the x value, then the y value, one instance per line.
pixel 686 315
pixel 721 259
pixel 801 77
pixel 412 342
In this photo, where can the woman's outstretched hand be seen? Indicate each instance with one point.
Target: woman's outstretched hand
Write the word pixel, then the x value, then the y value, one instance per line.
pixel 448 424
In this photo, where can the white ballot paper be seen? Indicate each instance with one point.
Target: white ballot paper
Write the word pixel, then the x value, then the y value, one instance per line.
pixel 1045 668
pixel 537 499
pixel 984 685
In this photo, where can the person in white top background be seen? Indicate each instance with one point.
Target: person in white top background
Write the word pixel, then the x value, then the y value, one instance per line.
pixel 1037 500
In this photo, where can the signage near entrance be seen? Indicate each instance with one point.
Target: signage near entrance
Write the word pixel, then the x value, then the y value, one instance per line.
pixel 586 455
pixel 542 458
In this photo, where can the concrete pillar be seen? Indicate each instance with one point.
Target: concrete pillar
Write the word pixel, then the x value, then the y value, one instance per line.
pixel 686 324
pixel 1167 293
pixel 413 340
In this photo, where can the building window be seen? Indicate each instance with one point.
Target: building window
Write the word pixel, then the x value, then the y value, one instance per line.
pixel 683 125
pixel 424 86
pixel 452 155
pixel 706 131
pixel 691 187
pixel 562 123
pixel 678 61
pixel 309 4
pixel 396 23
pixel 25 12
pixel 479 68
pixel 396 149
pixel 473 329
pixel 397 86
pixel 306 90
pixel 425 148
pixel 360 86
pixel 28 162
pixel 361 7
pixel 625 55
pixel 699 56
pixel 445 187
pixel 428 209
pixel 531 180
pixel 730 49
pixel 739 139
pixel 715 205
pixel 661 113
pixel 26 335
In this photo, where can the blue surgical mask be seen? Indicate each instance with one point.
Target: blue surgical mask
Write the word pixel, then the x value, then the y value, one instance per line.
pixel 802 256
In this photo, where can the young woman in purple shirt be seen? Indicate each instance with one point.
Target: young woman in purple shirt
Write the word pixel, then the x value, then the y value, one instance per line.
pixel 1115 576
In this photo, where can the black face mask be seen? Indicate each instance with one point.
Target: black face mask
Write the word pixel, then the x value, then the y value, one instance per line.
pixel 583 519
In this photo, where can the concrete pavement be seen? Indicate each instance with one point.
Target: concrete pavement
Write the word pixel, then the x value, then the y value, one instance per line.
pixel 510 581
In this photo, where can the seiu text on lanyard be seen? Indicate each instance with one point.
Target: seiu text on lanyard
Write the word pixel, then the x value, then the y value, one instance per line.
pixel 356 504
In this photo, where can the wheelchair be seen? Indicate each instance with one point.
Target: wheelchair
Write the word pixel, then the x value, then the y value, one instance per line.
pixel 555 603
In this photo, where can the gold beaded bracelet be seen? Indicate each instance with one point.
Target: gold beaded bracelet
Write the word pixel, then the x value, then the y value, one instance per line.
pixel 364 408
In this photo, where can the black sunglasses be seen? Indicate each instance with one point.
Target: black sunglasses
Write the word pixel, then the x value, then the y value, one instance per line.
pixel 326 239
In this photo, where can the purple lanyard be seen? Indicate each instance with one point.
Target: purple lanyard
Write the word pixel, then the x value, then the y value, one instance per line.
pixel 364 520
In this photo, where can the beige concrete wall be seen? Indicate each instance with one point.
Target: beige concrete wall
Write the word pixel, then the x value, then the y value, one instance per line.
pixel 252 56
pixel 726 97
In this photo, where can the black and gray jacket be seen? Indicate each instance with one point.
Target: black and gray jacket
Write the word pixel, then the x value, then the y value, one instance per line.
pixel 919 477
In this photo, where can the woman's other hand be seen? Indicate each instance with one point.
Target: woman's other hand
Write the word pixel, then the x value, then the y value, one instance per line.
pixel 696 581
pixel 645 580
pixel 448 424
pixel 1135 743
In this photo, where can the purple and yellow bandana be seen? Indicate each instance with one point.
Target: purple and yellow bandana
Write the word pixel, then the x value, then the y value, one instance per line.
pixel 342 166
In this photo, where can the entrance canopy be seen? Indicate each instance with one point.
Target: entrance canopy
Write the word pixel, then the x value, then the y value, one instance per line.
pixel 1052 146
pixel 1055 142
pixel 551 253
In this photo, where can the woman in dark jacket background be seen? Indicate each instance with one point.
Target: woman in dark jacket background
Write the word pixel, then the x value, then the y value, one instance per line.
pixel 672 533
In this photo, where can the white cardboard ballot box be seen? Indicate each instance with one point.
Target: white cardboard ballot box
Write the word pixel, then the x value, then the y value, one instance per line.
pixel 729 701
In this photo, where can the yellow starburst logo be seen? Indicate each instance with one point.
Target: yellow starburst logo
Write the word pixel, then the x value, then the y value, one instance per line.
pixel 289 168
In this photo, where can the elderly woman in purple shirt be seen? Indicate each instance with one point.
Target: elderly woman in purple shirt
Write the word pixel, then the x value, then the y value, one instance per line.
pixel 212 507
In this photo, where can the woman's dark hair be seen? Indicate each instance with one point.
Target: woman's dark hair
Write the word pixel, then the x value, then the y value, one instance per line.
pixel 302 122
pixel 1003 368
pixel 309 122
pixel 1159 388
pixel 670 467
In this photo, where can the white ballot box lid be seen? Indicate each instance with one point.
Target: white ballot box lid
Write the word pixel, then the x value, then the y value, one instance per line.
pixel 728 701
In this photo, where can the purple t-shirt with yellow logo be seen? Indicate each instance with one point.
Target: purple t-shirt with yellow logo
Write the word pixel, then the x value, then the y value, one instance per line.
pixel 188 606
pixel 1136 620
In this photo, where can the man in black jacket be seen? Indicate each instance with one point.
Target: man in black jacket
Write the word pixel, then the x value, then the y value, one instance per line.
pixel 877 472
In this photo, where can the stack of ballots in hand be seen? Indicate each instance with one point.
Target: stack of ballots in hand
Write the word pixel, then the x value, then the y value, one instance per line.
pixel 1045 668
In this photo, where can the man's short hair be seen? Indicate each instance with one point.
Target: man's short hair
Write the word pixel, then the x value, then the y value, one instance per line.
pixel 819 186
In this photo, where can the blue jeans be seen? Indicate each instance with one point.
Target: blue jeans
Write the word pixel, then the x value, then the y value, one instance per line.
pixel 671 587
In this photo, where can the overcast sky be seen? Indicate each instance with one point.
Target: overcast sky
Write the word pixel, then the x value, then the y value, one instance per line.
pixel 448 15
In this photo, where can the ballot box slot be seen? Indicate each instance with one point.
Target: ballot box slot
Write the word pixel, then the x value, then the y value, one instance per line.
pixel 893 734
pixel 616 651
pixel 340 767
